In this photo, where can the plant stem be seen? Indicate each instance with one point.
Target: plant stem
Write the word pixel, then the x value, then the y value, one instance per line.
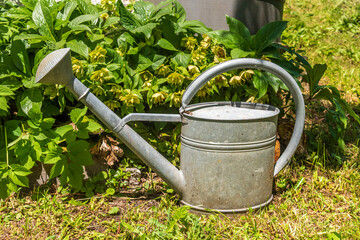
pixel 6 147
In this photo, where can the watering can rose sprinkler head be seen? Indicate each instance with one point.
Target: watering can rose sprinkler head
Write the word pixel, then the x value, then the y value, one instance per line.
pixel 55 68
pixel 227 148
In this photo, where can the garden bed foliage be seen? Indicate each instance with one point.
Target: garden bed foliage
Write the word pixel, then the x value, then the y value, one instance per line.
pixel 138 58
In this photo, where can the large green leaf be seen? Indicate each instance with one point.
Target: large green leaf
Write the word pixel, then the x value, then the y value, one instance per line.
pixel 86 7
pixel 93 126
pixel 69 8
pixel 162 9
pixel 31 102
pixel 18 13
pixel 77 114
pixel 111 21
pixel 239 53
pixel 229 39
pixel 81 27
pixel 272 80
pixel 4 190
pixel 238 27
pixel 83 18
pixel 181 59
pixel 145 29
pixel 261 85
pixel 58 167
pixel 125 39
pixel 127 19
pixel 79 153
pixel 20 170
pixel 22 181
pixel 267 35
pixel 74 175
pixel 3 106
pixel 314 75
pixel 64 129
pixel 52 157
pixel 13 129
pixel 43 19
pixel 20 57
pixel 157 60
pixel 179 11
pixel 79 47
pixel 143 62
pixel 144 10
pixel 165 44
pixel 5 91
pixel 33 37
pixel 194 25
pixel 30 4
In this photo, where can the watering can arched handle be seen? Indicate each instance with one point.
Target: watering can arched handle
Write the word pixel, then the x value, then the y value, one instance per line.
pixel 251 63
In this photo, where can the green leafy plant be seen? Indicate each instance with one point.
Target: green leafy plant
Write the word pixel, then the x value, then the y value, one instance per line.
pixel 262 45
pixel 135 58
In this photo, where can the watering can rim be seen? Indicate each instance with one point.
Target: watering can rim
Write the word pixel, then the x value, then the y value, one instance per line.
pixel 267 109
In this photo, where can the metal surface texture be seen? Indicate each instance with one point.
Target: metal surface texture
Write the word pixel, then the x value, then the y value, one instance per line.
pixel 228 164
pixel 227 149
pixel 153 117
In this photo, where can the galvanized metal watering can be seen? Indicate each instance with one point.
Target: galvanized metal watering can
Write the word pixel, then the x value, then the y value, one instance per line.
pixel 227 148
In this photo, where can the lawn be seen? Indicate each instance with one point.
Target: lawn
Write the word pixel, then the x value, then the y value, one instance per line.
pixel 316 197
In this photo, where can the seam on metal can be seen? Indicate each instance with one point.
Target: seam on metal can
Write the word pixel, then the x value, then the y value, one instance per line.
pixel 228 147
pixel 199 208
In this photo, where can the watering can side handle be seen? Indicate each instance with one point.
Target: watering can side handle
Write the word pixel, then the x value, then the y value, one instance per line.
pixel 251 63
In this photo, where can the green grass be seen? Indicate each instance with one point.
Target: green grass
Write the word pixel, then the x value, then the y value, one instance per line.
pixel 311 201
pixel 314 198
pixel 328 32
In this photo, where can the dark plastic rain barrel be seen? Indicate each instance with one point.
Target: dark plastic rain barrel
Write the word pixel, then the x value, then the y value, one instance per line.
pixel 253 13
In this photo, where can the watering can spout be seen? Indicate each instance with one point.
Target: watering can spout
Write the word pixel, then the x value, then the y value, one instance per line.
pixel 56 68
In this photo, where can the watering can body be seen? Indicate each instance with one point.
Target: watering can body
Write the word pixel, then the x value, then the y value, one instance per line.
pixel 227 155
pixel 227 148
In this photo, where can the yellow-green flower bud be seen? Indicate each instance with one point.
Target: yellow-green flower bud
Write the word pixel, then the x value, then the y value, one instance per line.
pixel 188 42
pixel 77 67
pixel 220 81
pixel 97 90
pixel 104 16
pixel 98 55
pixel 101 75
pixel 236 80
pixel 146 75
pixel 121 51
pixel 116 89
pixel 51 91
pixel 159 97
pixel 206 42
pixel 130 99
pixel 163 70
pixel 175 99
pixel 193 69
pixel 198 57
pixel 219 53
pixel 147 84
pixel 112 104
pixel 108 5
pixel 176 78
